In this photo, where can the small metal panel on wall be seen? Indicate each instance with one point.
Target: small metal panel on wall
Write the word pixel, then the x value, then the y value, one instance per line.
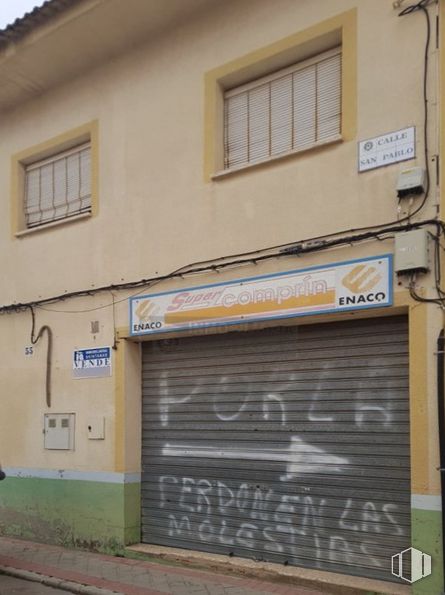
pixel 289 445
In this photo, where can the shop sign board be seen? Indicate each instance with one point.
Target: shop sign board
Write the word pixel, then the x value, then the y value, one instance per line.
pixel 92 363
pixel 386 149
pixel 338 287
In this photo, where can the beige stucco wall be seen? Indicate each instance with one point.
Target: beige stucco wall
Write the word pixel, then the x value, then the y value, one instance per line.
pixel 23 397
pixel 157 213
pixel 149 105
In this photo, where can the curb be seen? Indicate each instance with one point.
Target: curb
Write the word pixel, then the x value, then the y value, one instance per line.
pixel 292 576
pixel 57 583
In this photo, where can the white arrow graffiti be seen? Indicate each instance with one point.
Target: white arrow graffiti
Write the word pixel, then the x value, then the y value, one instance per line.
pixel 300 457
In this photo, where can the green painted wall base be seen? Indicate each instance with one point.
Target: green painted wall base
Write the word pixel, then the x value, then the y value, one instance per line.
pixel 106 517
pixel 85 514
pixel 427 536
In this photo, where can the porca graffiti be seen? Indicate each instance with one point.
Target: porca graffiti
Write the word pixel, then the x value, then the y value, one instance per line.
pixel 285 494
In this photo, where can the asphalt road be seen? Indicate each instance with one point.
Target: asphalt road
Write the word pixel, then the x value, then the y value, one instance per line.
pixel 16 586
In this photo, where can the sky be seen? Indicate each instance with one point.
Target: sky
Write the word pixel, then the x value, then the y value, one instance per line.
pixel 13 9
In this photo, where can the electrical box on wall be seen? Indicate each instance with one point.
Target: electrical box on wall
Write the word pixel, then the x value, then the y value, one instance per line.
pixel 411 252
pixel 411 182
pixel 59 431
pixel 96 428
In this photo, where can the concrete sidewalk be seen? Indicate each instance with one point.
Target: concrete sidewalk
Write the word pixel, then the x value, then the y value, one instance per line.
pixel 93 574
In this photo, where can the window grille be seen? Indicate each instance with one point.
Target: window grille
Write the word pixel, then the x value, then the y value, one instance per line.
pixel 58 187
pixel 292 109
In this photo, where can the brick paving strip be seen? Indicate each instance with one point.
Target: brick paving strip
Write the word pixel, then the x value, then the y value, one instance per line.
pixel 123 575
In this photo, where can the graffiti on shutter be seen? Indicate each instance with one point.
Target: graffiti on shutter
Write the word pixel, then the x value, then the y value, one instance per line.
pixel 289 445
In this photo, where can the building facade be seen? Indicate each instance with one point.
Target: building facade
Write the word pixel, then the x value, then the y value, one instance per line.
pixel 222 308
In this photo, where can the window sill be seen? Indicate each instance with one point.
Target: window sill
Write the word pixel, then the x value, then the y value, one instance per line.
pixel 32 230
pixel 228 172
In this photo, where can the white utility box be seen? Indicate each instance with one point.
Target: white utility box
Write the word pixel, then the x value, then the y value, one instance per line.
pixel 411 252
pixel 59 431
pixel 411 182
pixel 96 428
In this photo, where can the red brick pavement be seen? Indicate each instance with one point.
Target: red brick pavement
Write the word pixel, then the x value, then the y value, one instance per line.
pixel 130 577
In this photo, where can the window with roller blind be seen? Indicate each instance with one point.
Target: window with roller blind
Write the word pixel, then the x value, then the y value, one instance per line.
pixel 288 111
pixel 58 187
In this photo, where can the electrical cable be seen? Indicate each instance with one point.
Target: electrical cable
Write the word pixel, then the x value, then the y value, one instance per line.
pixel 440 300
pixel 418 298
pixel 409 10
pixel 34 340
pixel 145 283
pixel 441 425
pixel 437 263
pixel 288 248
pixel 305 247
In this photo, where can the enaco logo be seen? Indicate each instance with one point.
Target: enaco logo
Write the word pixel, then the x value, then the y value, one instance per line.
pixel 144 310
pixel 411 565
pixel 361 278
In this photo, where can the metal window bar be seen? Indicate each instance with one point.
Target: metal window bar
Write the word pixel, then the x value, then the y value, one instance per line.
pixel 68 192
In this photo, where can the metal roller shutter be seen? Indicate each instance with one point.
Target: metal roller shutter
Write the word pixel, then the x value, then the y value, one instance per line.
pixel 289 445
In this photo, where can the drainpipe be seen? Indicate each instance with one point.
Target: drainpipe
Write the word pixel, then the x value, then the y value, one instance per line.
pixel 441 415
